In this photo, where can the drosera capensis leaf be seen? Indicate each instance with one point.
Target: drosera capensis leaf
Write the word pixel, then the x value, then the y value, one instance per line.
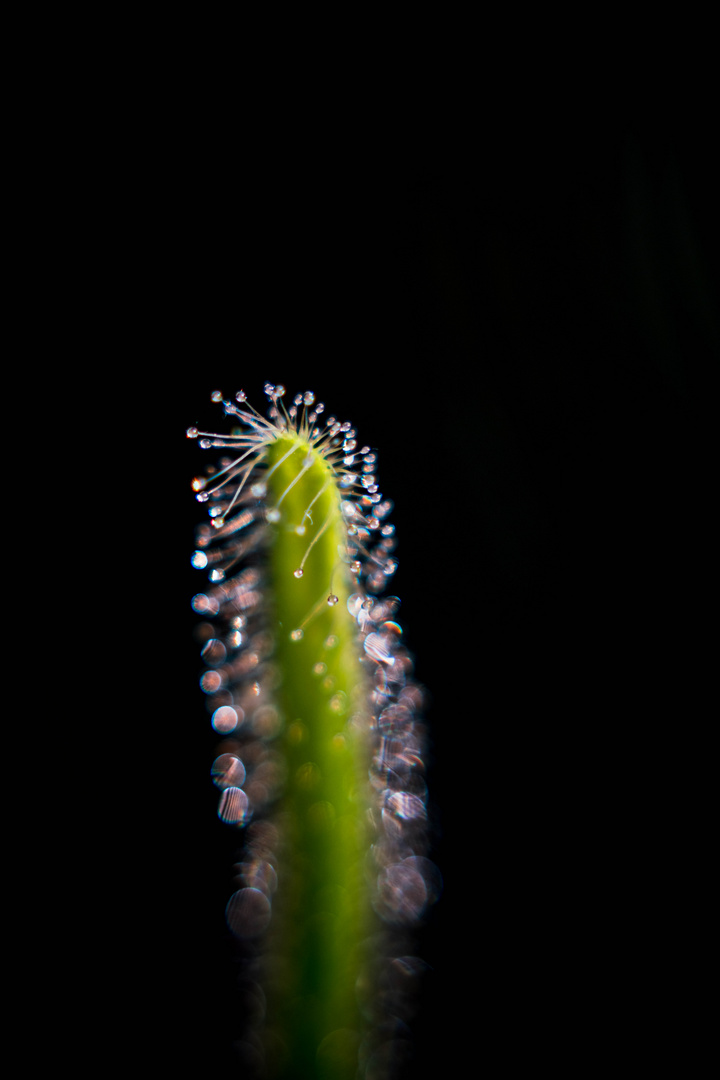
pixel 320 767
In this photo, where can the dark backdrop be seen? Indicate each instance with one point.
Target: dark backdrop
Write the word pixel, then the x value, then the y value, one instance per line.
pixel 522 318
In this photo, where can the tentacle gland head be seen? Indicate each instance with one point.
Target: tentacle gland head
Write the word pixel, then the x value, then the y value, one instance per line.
pixel 309 684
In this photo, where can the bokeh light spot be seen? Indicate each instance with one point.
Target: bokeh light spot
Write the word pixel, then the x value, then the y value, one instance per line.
pixel 226 718
pixel 234 807
pixel 248 912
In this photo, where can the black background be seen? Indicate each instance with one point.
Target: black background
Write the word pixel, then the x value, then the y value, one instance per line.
pixel 521 315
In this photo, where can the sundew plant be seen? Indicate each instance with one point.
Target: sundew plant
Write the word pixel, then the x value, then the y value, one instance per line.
pixel 320 764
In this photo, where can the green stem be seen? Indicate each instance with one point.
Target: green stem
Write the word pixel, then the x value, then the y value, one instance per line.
pixel 322 918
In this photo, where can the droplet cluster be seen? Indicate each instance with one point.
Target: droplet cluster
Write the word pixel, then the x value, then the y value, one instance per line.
pixel 406 882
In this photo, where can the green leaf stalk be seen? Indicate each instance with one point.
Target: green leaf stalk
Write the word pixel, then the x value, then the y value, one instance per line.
pixel 320 768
